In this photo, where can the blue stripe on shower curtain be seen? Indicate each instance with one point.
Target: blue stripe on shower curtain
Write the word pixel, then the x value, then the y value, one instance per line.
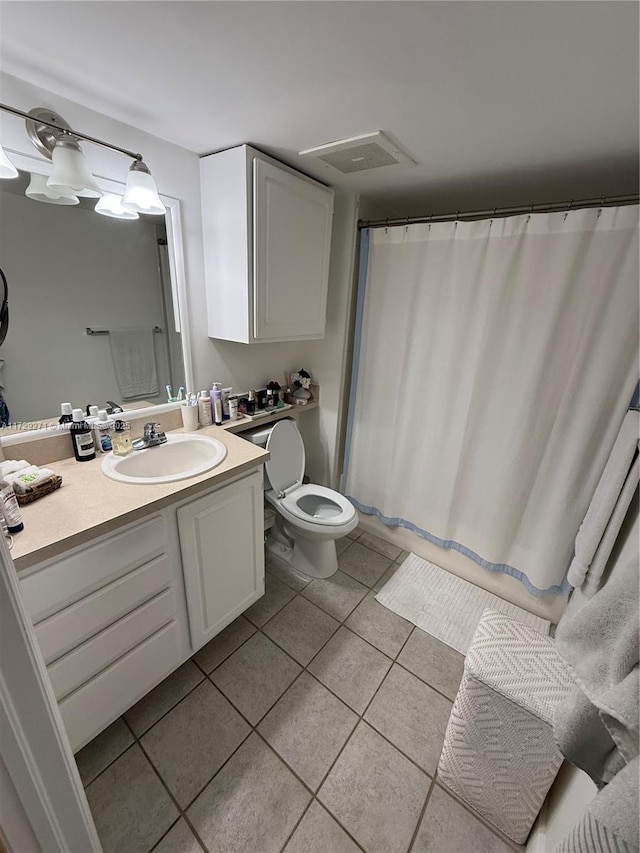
pixel 562 589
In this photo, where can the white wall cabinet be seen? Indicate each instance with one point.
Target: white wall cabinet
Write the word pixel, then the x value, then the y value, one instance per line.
pixel 267 240
pixel 112 618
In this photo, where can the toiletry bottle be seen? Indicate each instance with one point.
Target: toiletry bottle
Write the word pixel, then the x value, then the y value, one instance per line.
pixel 81 438
pixel 92 411
pixel 216 403
pixel 204 409
pixel 226 393
pixel 66 413
pixel 270 401
pixel 251 403
pixel 121 439
pixel 10 508
pixel 102 431
pixel 233 407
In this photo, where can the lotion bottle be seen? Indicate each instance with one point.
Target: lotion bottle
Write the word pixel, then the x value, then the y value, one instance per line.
pixel 216 403
pixel 9 507
pixel 204 409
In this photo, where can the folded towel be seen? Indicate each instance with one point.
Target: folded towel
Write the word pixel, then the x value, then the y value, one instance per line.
pixel 597 726
pixel 134 362
pixel 604 518
pixel 610 822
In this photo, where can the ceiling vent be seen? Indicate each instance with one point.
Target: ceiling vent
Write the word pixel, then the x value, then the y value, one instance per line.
pixel 360 153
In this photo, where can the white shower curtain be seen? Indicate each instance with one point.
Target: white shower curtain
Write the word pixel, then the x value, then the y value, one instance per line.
pixel 494 363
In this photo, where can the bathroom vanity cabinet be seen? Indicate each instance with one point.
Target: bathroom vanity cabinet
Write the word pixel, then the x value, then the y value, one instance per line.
pixel 117 615
pixel 267 239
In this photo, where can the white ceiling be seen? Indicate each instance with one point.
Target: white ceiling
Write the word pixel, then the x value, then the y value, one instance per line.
pixel 499 102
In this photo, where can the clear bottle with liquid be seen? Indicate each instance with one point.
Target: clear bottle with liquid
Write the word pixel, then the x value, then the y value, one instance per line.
pixel 121 439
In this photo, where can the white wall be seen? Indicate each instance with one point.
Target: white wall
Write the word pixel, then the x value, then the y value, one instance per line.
pixel 82 269
pixel 176 172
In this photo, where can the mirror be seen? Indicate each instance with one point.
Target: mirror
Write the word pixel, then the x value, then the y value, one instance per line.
pixel 85 291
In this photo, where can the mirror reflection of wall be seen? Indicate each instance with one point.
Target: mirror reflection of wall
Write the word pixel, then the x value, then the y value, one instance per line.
pixel 68 268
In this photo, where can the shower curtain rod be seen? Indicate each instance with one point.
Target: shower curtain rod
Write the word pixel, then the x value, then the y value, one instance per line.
pixel 546 207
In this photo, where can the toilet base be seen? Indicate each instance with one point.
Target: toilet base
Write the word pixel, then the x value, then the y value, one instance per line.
pixel 315 558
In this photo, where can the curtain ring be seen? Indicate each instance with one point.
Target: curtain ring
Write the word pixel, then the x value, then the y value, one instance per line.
pixel 602 198
pixel 386 227
pixel 567 211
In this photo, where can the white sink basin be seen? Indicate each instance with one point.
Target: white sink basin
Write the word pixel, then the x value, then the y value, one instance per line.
pixel 181 457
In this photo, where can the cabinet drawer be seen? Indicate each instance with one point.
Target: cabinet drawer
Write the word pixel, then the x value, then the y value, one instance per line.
pixel 72 626
pixel 57 585
pixel 87 711
pixel 73 670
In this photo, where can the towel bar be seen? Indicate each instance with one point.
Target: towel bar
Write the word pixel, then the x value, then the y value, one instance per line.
pixel 91 331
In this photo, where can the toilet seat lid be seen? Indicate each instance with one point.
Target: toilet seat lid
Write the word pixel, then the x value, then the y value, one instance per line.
pixel 286 466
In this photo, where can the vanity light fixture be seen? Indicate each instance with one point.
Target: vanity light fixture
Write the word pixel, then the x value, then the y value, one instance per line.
pixel 71 177
pixel 39 191
pixel 7 169
pixel 141 193
pixel 111 205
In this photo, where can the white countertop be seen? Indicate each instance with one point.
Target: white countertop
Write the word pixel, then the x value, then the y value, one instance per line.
pixel 89 504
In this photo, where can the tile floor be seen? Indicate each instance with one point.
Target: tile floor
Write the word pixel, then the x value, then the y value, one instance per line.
pixel 312 724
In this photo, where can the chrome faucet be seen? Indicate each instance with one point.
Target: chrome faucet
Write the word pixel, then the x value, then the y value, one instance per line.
pixel 152 437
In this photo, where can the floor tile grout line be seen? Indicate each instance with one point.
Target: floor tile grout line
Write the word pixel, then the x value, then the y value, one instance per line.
pixel 421 817
pixel 181 811
pixel 155 722
pixel 164 834
pixel 435 689
pixel 297 823
pixel 226 658
pixel 275 613
pixel 85 785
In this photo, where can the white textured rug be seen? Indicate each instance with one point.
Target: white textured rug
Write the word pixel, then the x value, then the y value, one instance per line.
pixel 444 605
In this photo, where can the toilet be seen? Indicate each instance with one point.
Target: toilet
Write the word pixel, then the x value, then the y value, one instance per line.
pixel 309 518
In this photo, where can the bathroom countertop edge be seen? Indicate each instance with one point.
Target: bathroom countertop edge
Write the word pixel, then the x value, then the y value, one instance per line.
pixel 89 504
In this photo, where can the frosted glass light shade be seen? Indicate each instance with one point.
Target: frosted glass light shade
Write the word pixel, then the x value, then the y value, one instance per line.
pixel 141 194
pixel 71 175
pixel 7 169
pixel 111 205
pixel 39 191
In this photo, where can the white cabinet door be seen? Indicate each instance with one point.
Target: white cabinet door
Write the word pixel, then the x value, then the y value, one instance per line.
pixel 292 221
pixel 221 538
